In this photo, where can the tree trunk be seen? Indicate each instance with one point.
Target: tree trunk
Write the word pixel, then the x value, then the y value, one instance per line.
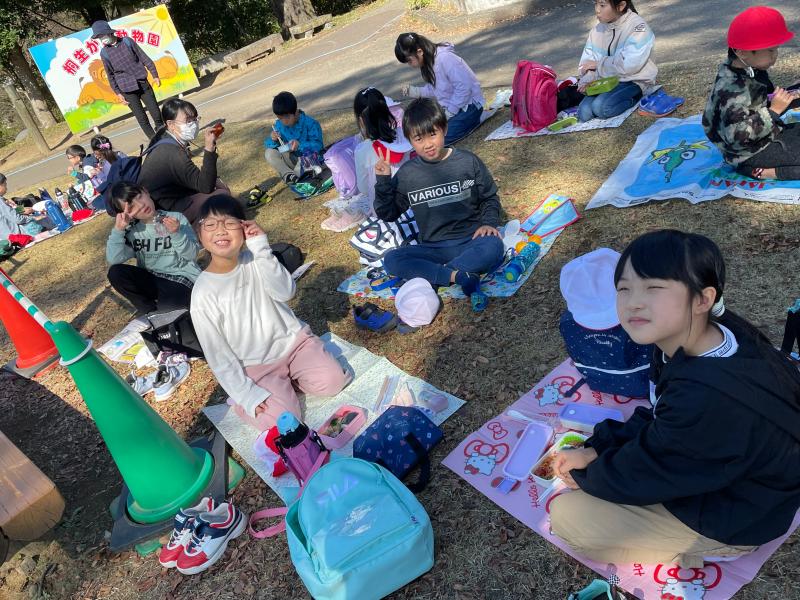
pixel 92 11
pixel 121 8
pixel 30 85
pixel 292 12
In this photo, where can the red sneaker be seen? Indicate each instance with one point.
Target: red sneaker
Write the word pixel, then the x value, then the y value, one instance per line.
pixel 182 532
pixel 212 531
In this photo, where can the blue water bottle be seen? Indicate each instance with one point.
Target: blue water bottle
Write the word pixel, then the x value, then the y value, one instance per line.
pixel 54 211
pixel 520 263
pixel 287 423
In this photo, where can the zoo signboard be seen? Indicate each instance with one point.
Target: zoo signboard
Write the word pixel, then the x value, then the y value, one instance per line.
pixel 74 73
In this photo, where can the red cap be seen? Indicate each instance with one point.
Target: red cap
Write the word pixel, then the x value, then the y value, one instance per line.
pixel 758 28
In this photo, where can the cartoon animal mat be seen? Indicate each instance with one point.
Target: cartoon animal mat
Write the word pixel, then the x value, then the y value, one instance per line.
pixel 673 158
pixel 479 460
pixel 98 87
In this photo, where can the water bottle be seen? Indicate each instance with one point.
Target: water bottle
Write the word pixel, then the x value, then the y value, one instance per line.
pixel 61 222
pixel 61 200
pixel 298 445
pixel 520 263
pixel 290 427
pixel 74 199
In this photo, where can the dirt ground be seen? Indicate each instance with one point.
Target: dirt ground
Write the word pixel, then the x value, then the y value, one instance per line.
pixel 489 360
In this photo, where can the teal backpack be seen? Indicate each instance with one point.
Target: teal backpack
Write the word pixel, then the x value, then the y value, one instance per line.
pixel 358 533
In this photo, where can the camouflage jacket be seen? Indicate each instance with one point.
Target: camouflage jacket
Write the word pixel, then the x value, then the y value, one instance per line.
pixel 737 118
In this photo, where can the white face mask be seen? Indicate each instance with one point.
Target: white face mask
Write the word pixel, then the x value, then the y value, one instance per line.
pixel 108 40
pixel 188 131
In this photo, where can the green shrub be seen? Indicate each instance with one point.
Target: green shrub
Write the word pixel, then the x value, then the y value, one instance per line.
pixel 417 4
pixel 211 26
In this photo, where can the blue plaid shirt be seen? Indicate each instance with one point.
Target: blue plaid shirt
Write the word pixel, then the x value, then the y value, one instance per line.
pixel 126 65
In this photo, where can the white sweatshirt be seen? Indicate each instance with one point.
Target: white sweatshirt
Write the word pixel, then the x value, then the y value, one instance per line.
pixel 242 320
pixel 365 157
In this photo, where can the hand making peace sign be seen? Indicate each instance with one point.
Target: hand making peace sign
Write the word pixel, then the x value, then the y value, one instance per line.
pixel 382 167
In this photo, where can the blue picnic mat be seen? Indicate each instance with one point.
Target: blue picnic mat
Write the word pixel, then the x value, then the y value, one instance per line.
pixel 548 220
pixel 673 158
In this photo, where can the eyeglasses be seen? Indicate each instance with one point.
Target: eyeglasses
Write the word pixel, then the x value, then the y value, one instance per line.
pixel 187 121
pixel 213 224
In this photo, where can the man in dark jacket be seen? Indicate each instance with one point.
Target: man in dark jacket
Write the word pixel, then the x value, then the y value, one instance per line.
pixel 712 471
pixel 126 67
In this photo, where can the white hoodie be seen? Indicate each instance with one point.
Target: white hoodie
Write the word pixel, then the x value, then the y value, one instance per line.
pixel 623 48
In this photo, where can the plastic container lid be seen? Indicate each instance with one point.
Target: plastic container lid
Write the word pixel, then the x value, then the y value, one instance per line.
pixel 535 438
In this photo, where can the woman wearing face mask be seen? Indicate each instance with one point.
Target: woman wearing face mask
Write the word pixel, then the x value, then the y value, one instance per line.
pixel 174 181
pixel 127 67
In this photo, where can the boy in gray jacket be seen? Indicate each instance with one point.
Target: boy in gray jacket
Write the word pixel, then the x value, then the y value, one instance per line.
pixel 454 199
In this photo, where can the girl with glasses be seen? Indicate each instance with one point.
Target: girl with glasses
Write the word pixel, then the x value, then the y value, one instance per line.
pixel 257 348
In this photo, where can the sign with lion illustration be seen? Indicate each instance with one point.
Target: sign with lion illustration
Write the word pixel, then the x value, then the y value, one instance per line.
pixel 74 73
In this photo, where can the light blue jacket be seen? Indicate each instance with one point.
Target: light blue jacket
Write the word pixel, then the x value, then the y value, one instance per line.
pixel 10 221
pixel 169 255
pixel 306 131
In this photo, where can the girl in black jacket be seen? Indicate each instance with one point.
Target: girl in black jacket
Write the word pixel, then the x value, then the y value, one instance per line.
pixel 712 470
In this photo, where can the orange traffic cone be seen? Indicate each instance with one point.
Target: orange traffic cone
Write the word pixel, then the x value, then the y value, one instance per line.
pixel 35 348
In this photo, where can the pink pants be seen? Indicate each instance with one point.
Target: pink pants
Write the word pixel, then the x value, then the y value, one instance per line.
pixel 307 368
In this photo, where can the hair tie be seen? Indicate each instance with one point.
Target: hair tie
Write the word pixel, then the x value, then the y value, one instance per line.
pixel 105 146
pixel 719 308
pixel 366 89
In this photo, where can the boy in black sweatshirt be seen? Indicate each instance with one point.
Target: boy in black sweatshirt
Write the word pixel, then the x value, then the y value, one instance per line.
pixel 454 199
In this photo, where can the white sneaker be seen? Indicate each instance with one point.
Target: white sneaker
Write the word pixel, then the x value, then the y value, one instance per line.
pixel 168 378
pixel 141 384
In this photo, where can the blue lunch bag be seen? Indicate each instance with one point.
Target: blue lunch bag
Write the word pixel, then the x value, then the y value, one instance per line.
pixel 400 439
pixel 608 359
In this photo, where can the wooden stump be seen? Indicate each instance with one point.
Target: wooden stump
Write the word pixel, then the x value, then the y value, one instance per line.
pixel 30 504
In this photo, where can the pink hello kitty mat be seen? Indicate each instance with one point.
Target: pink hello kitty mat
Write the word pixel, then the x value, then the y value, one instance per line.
pixel 479 460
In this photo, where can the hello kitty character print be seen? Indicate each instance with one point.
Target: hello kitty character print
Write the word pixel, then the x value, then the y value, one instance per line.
pixel 687 584
pixel 555 391
pixel 483 457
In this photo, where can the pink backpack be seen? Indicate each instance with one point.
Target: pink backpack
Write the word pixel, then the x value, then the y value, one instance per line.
pixel 533 102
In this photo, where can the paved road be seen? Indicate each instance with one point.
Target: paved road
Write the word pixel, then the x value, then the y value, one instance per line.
pixel 326 73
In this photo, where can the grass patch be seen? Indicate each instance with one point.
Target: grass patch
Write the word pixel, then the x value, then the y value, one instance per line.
pixel 482 552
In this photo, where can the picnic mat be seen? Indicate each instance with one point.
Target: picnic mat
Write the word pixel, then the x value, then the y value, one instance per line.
pixel 673 158
pixel 46 235
pixel 369 373
pixel 507 129
pixel 501 98
pixel 478 459
pixel 548 220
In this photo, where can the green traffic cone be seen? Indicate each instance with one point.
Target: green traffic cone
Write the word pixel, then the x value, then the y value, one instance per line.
pixel 161 471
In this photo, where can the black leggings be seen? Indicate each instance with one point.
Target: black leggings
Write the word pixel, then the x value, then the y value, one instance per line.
pixel 146 291
pixel 135 99
pixel 783 155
